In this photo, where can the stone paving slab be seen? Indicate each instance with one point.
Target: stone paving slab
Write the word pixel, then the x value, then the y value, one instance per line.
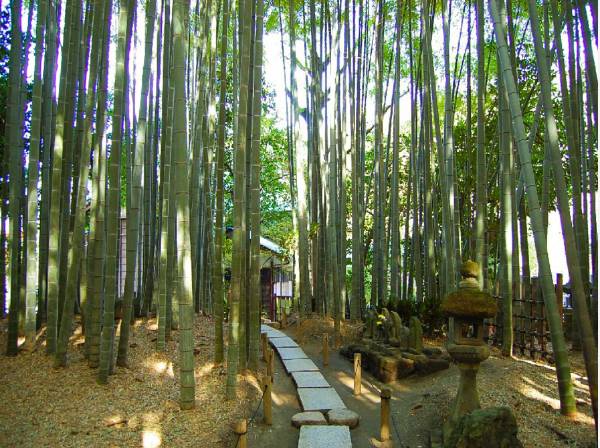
pixel 291 353
pixel 275 334
pixel 319 398
pixel 299 365
pixel 319 436
pixel 272 332
pixel 309 379
pixel 282 342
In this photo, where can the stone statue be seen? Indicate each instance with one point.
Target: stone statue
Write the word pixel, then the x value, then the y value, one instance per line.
pixel 415 335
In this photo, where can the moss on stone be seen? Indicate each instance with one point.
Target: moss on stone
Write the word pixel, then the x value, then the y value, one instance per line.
pixel 470 269
pixel 469 303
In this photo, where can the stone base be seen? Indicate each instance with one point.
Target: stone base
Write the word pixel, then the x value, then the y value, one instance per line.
pixel 484 428
pixel 388 363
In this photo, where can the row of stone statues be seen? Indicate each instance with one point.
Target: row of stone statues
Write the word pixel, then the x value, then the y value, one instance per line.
pixel 388 327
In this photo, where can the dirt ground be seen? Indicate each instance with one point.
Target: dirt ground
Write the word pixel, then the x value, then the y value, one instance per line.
pixel 420 404
pixel 46 407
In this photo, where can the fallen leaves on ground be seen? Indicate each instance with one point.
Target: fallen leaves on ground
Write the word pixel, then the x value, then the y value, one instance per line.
pixel 47 407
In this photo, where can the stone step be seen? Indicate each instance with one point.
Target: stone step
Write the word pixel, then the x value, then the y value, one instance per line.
pixel 282 342
pixel 309 379
pixel 318 436
pixel 272 332
pixel 308 418
pixel 299 365
pixel 319 399
pixel 291 353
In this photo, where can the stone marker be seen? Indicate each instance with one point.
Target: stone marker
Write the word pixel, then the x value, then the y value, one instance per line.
pixel 324 436
pixel 291 353
pixel 415 337
pixel 344 417
pixel 283 342
pixel 299 365
pixel 371 323
pixel 319 399
pixel 309 379
pixel 403 337
pixel 308 418
pixel 388 325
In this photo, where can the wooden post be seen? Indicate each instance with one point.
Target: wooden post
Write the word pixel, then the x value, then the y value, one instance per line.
pixel 357 374
pixel 283 318
pixel 263 342
pixel 267 401
pixel 241 429
pixel 533 314
pixel 325 349
pixel 384 429
pixel 271 364
pixel 559 295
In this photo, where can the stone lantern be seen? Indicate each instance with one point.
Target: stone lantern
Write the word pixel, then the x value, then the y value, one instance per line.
pixel 468 306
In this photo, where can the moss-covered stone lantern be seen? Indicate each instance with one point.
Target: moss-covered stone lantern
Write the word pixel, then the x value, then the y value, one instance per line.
pixel 468 306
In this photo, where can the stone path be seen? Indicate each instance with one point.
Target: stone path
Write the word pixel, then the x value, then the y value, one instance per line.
pixel 314 393
pixel 319 436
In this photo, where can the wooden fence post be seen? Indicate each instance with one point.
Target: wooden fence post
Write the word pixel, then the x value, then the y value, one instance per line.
pixel 325 349
pixel 263 342
pixel 384 429
pixel 357 374
pixel 267 401
pixel 532 315
pixel 559 294
pixel 241 429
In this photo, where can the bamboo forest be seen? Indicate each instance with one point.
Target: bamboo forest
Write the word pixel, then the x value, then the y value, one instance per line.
pixel 299 223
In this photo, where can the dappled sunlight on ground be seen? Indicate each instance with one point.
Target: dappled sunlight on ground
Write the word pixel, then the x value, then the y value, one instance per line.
pixel 150 439
pixel 139 406
pixel 530 390
pixel 151 433
pixel 368 393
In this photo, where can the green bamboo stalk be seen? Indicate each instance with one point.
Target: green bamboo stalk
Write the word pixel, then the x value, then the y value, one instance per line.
pixel 217 278
pixel 565 386
pixel 113 201
pixel 133 213
pixel 75 252
pixel 55 196
pixel 31 299
pixel 239 220
pixel 97 238
pixel 14 144
pixel 184 262
pixel 581 308
pixel 255 259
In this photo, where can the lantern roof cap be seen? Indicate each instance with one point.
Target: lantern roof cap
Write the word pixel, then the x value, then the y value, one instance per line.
pixel 469 303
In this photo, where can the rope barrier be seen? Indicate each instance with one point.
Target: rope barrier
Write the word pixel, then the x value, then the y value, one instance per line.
pixel 253 415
